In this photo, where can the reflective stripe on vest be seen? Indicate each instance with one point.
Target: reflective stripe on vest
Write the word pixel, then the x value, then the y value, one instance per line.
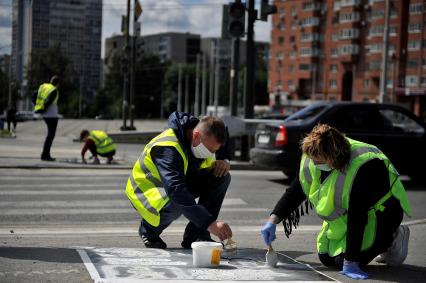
pixel 103 142
pixel 339 210
pixel 43 94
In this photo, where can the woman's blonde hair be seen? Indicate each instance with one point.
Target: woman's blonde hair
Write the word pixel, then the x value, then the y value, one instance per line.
pixel 327 143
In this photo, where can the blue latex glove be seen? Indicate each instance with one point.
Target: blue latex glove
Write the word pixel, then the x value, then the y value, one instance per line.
pixel 352 270
pixel 268 232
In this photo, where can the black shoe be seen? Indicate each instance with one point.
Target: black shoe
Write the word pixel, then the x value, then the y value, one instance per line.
pixel 48 158
pixel 153 243
pixel 186 243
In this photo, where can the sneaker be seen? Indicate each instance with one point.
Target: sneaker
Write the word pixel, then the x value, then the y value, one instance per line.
pixel 153 243
pixel 397 252
pixel 380 258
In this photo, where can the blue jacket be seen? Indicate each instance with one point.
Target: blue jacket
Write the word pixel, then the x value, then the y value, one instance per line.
pixel 171 168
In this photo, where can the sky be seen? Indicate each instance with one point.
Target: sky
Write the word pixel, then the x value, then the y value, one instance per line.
pixel 194 16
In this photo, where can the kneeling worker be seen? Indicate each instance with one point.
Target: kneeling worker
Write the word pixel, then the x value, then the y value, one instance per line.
pixel 98 143
pixel 174 169
pixel 356 190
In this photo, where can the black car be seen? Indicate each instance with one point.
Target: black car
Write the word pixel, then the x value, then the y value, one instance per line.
pixel 396 131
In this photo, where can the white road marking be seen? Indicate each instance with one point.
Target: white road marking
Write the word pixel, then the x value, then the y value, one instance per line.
pixel 123 230
pixel 88 203
pixel 33 186
pixel 89 265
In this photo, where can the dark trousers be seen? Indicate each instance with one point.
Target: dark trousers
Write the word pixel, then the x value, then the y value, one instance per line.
pixel 52 124
pixel 210 190
pixel 92 149
pixel 388 222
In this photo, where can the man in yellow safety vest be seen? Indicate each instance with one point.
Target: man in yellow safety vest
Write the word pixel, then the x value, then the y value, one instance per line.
pixel 188 160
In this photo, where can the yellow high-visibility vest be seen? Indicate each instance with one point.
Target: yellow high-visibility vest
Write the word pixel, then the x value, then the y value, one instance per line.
pixel 103 142
pixel 44 91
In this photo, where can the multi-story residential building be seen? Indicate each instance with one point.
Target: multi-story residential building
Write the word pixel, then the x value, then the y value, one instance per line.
pixel 74 25
pixel 332 50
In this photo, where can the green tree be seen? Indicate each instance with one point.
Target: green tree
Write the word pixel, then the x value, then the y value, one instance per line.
pixel 43 65
pixel 4 90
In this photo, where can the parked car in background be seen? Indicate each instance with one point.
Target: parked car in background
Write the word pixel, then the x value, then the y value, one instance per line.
pixel 396 131
pixel 104 116
pixel 22 116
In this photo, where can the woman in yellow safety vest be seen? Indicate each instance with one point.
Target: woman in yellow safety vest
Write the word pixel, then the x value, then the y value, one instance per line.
pixel 356 190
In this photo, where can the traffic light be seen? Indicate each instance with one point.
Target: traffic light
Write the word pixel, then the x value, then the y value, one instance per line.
pixel 266 9
pixel 237 19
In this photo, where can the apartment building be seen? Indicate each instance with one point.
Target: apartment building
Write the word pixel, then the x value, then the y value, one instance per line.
pixel 332 50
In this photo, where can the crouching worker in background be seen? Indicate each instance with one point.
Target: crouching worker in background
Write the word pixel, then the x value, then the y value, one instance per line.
pixel 98 143
pixel 356 190
pixel 184 162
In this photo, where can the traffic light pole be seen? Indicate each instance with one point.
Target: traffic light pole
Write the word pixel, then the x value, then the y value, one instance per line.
pixel 126 74
pixel 234 76
pixel 251 75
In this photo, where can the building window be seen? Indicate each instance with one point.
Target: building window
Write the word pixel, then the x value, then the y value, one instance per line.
pixel 334 36
pixel 377 14
pixel 416 8
pixel 374 65
pixel 311 21
pixel 413 45
pixel 414 28
pixel 411 80
pixel 423 81
pixel 307 52
pixel 393 13
pixel 424 62
pixel 290 68
pixel 310 6
pixel 412 63
pixel 349 3
pixel 349 17
pixel 292 54
pixel 366 84
pixel 308 37
pixel 334 52
pixel 294 24
pixel 376 31
pixel 280 55
pixel 293 11
pixel 280 40
pixel 290 83
pixel 281 26
pixel 333 68
pixel 332 84
pixel 392 30
pixel 304 67
pixel 348 49
pixel 375 48
pixel 348 33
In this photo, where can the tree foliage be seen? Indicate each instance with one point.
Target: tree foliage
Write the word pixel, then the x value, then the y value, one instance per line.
pixel 45 64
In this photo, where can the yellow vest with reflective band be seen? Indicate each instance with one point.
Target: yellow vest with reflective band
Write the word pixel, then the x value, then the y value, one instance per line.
pixel 144 187
pixel 103 142
pixel 331 197
pixel 43 94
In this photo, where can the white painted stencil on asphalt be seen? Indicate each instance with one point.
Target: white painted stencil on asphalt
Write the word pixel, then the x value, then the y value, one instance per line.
pixel 154 265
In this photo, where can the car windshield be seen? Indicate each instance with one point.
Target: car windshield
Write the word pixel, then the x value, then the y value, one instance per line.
pixel 305 114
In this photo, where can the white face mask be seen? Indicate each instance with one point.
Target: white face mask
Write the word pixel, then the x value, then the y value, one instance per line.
pixel 201 151
pixel 323 167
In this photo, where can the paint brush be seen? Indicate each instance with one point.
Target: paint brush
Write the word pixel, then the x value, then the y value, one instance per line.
pixel 230 245
pixel 271 257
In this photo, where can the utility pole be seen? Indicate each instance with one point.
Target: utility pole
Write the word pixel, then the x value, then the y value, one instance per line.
pixel 197 87
pixel 204 85
pixel 233 94
pixel 179 100
pixel 217 81
pixel 251 69
pixel 126 69
pixel 383 74
pixel 212 70
pixel 186 93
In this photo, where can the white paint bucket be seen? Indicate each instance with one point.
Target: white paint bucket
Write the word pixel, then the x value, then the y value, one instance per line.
pixel 206 254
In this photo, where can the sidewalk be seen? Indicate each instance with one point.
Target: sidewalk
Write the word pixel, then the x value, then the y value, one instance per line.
pixel 23 151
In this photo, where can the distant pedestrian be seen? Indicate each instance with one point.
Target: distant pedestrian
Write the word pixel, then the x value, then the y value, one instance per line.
pixel 11 118
pixel 47 105
pixel 98 143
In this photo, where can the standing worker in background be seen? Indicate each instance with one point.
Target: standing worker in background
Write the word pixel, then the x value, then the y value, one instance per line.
pixel 175 168
pixel 47 105
pixel 11 118
pixel 356 190
pixel 98 142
